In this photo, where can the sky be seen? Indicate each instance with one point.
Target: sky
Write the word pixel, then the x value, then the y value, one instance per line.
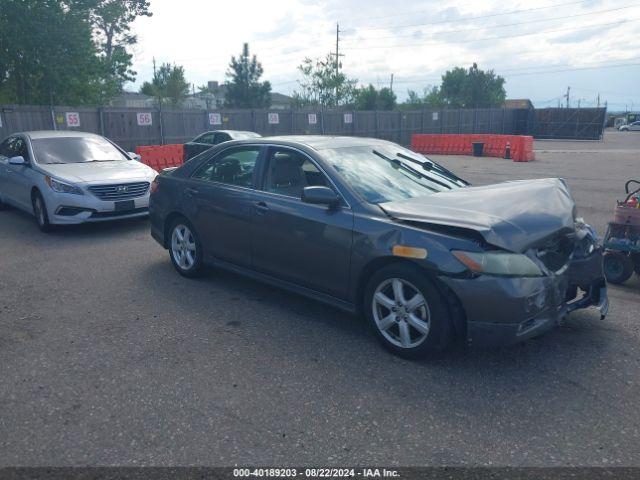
pixel 540 47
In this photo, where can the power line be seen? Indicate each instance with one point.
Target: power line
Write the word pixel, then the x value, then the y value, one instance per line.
pixel 463 19
pixel 511 24
pixel 500 37
pixel 539 20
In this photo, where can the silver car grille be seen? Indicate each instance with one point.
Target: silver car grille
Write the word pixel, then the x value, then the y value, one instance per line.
pixel 120 191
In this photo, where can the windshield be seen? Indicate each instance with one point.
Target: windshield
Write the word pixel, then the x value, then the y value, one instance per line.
pixel 75 150
pixel 386 172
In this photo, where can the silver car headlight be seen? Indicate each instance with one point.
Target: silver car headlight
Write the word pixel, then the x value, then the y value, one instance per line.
pixel 62 187
pixel 502 264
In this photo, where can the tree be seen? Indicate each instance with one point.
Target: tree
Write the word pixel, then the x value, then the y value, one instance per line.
pixel 322 86
pixel 168 83
pixel 368 98
pixel 244 89
pixel 430 98
pixel 47 54
pixel 472 88
pixel 65 51
pixel 111 21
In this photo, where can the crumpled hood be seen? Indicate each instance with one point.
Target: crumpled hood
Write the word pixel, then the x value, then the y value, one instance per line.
pixel 99 172
pixel 510 215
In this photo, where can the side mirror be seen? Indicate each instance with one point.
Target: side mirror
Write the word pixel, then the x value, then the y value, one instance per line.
pixel 17 160
pixel 134 156
pixel 320 196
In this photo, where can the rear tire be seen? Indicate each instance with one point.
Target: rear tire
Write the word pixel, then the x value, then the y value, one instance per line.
pixel 618 267
pixel 40 212
pixel 185 249
pixel 406 312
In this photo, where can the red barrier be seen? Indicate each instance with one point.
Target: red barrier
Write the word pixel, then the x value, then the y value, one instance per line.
pixel 161 156
pixel 521 146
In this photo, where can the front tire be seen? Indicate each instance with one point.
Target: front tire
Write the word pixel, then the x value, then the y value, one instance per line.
pixel 618 267
pixel 185 248
pixel 406 312
pixel 40 212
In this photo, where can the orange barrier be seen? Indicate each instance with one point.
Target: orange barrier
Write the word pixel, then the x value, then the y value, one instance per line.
pixel 521 146
pixel 161 156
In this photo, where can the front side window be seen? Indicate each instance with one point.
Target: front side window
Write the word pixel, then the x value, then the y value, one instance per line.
pixel 206 138
pixel 56 150
pixel 289 171
pixel 21 149
pixel 233 166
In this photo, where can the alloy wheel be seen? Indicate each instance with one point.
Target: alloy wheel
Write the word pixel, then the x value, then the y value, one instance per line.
pixel 401 313
pixel 183 247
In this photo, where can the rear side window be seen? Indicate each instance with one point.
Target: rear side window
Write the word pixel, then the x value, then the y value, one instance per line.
pixel 234 166
pixel 6 147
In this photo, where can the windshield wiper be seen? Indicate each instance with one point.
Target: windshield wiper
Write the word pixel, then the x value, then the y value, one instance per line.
pixel 430 166
pixel 417 173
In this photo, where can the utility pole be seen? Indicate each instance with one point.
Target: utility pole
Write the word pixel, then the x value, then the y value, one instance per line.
pixel 391 84
pixel 567 95
pixel 598 100
pixel 337 55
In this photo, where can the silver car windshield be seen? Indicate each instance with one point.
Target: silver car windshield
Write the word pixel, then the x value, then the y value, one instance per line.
pixel 386 172
pixel 75 150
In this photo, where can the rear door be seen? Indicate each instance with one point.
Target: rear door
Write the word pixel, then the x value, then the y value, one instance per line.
pixel 220 197
pixel 306 244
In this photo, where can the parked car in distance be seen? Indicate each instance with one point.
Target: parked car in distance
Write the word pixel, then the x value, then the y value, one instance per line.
pixel 207 140
pixel 635 126
pixel 64 177
pixel 369 226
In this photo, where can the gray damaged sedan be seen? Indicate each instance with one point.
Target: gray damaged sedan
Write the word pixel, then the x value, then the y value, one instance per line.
pixel 371 227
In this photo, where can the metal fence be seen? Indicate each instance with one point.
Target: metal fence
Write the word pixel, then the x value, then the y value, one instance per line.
pixel 569 123
pixel 130 127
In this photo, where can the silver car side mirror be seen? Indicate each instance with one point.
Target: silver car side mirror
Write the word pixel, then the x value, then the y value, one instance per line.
pixel 17 160
pixel 134 156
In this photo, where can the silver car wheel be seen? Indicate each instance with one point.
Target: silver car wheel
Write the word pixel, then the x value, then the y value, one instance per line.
pixel 183 247
pixel 401 313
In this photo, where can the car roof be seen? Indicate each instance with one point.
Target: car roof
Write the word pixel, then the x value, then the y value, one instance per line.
pixel 56 134
pixel 230 132
pixel 320 142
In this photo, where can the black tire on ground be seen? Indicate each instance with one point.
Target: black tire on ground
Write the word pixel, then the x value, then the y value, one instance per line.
pixel 191 269
pixel 40 212
pixel 618 267
pixel 440 326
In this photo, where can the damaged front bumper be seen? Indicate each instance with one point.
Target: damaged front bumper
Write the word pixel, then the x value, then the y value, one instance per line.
pixel 502 311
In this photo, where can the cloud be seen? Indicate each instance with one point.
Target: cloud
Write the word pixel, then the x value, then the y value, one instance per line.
pixel 417 41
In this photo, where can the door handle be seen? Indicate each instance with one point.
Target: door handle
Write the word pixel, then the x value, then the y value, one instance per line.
pixel 262 208
pixel 191 191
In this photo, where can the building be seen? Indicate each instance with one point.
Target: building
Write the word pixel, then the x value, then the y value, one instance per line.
pixel 518 103
pixel 132 100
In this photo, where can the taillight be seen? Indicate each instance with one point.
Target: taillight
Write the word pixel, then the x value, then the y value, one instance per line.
pixel 155 184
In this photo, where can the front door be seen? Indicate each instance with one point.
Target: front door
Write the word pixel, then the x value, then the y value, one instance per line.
pixel 220 197
pixel 309 245
pixel 16 182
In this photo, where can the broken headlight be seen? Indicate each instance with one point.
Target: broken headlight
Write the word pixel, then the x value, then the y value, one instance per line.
pixel 502 264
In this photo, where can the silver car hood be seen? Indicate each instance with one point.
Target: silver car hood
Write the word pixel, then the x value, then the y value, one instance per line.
pixel 512 215
pixel 99 172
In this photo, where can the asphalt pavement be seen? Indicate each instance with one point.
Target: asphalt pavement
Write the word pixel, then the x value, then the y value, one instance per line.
pixel 108 357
